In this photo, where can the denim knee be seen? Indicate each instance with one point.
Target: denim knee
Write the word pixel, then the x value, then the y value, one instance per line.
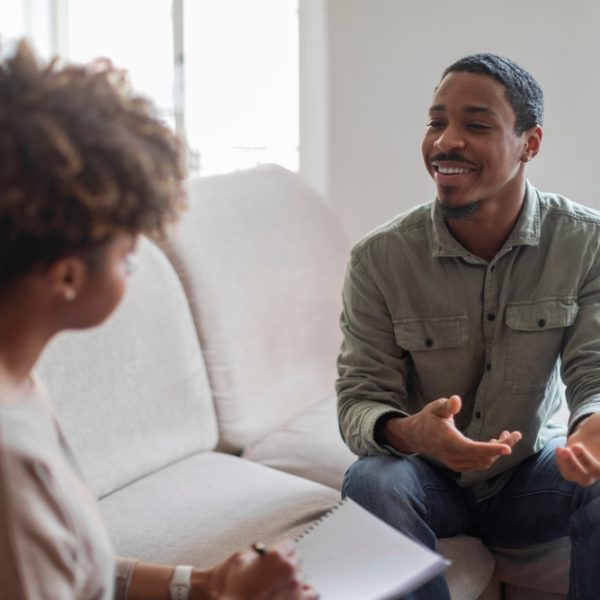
pixel 587 518
pixel 374 479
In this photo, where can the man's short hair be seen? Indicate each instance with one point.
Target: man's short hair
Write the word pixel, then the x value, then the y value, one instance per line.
pixel 522 90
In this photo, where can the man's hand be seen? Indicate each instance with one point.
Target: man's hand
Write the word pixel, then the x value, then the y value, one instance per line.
pixel 432 432
pixel 579 460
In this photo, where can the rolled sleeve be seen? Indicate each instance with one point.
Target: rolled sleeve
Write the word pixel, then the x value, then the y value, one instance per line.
pixel 123 572
pixel 580 357
pixel 372 368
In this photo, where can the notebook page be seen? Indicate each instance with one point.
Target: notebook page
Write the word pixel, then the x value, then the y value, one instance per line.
pixel 352 555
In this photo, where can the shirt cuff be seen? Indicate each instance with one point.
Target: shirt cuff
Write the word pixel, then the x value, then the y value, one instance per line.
pixel 371 426
pixel 123 572
pixel 585 409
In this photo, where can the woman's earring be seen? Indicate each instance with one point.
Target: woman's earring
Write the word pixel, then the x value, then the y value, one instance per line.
pixel 132 262
pixel 70 294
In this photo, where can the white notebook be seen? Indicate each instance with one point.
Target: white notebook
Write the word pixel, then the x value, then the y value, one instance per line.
pixel 349 554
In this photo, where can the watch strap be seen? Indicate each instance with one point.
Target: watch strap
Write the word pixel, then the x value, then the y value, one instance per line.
pixel 179 588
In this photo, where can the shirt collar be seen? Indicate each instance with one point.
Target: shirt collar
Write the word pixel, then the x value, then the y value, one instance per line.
pixel 526 231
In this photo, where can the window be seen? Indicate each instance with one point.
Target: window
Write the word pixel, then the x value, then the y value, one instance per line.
pixel 224 73
pixel 241 82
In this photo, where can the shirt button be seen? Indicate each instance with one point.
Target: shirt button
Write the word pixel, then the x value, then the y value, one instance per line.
pixel 429 342
pixel 488 367
pixel 478 415
pixel 491 317
pixel 542 322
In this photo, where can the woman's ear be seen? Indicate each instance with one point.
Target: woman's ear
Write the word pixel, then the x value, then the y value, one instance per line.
pixel 66 277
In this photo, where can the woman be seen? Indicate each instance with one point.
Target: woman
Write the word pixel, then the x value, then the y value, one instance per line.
pixel 85 168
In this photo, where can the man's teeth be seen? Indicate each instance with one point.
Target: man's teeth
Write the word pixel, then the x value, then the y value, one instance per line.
pixel 453 171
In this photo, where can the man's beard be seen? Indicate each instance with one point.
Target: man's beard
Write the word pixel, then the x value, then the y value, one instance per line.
pixel 465 211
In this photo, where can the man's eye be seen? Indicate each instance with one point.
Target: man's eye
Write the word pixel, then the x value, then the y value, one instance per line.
pixel 479 126
pixel 434 124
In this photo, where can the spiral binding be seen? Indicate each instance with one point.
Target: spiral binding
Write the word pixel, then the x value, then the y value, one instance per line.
pixel 316 523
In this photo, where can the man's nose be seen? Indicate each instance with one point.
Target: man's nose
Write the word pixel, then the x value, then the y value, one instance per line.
pixel 449 139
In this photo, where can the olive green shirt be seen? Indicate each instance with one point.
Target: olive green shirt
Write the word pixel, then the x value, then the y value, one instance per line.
pixel 423 319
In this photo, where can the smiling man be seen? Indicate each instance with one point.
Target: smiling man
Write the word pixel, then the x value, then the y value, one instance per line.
pixel 459 318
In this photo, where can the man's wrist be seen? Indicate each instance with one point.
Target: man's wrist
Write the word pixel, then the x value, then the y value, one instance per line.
pixel 391 430
pixel 379 431
pixel 579 422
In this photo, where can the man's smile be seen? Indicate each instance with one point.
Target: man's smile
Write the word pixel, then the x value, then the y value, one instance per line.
pixel 451 173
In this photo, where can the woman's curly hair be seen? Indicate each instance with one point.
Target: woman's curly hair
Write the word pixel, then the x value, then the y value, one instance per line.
pixel 81 157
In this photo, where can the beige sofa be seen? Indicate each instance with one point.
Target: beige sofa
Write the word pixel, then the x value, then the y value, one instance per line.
pixel 203 411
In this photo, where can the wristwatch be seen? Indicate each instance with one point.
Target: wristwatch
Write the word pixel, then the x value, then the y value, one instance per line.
pixel 179 588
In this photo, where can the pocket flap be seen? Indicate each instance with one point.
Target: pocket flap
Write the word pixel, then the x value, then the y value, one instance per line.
pixel 431 334
pixel 541 314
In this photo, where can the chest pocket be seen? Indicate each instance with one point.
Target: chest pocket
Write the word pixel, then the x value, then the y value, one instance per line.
pixel 440 354
pixel 535 330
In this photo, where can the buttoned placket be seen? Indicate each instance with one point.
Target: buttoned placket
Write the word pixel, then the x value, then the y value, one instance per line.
pixel 489 306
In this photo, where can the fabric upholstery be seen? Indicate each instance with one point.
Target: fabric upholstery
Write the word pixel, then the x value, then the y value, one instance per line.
pixel 524 593
pixel 471 569
pixel 493 591
pixel 309 446
pixel 132 395
pixel 201 509
pixel 544 567
pixel 262 259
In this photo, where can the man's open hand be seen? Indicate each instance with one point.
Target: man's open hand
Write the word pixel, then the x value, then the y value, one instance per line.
pixel 579 460
pixel 433 433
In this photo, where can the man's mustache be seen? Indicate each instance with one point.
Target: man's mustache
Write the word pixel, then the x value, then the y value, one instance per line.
pixel 451 156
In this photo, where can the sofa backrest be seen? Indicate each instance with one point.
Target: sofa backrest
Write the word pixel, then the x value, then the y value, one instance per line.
pixel 132 394
pixel 262 260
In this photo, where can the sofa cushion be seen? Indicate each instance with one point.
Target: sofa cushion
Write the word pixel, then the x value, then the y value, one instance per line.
pixel 201 509
pixel 310 446
pixel 262 259
pixel 544 567
pixel 512 592
pixel 205 507
pixel 132 394
pixel 472 566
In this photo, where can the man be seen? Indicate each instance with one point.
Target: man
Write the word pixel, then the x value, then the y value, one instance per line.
pixel 455 317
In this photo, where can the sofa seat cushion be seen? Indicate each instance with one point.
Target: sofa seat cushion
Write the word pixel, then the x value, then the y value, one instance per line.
pixel 201 509
pixel 544 567
pixel 513 592
pixel 472 566
pixel 309 446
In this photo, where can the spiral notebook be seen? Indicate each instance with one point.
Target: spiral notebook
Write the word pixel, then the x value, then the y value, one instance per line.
pixel 349 554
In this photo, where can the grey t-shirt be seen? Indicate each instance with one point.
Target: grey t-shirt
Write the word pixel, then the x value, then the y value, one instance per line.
pixel 53 543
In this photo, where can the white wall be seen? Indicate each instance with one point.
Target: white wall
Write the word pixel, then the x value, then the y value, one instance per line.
pixel 386 56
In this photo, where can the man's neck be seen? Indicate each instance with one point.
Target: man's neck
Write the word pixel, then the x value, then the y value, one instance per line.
pixel 485 233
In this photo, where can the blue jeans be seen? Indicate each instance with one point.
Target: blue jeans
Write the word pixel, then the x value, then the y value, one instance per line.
pixel 535 506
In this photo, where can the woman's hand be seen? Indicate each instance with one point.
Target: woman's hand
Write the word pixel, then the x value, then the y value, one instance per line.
pixel 273 575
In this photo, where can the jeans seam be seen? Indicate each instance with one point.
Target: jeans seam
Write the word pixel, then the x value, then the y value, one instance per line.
pixel 536 493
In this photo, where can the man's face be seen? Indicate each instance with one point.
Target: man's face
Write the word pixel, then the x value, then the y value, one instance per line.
pixel 470 147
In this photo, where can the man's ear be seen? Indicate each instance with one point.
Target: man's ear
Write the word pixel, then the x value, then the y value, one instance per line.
pixel 66 277
pixel 533 141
